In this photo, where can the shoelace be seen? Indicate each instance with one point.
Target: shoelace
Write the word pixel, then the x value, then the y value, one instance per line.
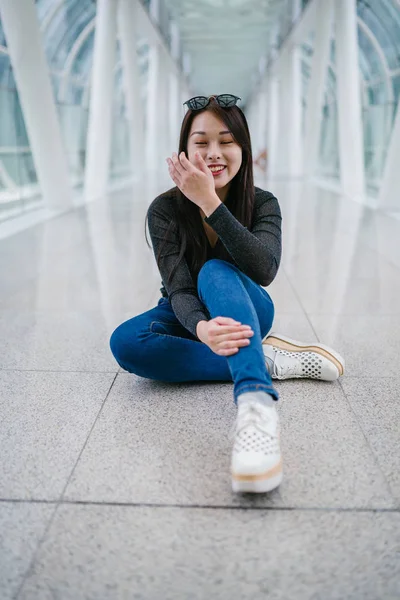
pixel 283 370
pixel 251 414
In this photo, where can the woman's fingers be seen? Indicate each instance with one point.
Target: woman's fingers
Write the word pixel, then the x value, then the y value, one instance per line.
pixel 234 335
pixel 226 321
pixel 240 330
pixel 228 352
pixel 186 164
pixel 227 336
pixel 177 163
pixel 230 329
pixel 178 167
pixel 232 341
pixel 175 175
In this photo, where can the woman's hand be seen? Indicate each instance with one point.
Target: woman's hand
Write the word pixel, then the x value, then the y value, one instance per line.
pixel 195 181
pixel 224 335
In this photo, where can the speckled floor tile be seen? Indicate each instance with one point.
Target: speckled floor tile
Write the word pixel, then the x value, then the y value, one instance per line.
pixel 355 295
pixel 56 341
pixel 283 296
pixel 45 421
pixel 169 443
pixel 376 403
pixel 22 526
pixel 94 552
pixel 295 326
pixel 370 345
pixel 330 532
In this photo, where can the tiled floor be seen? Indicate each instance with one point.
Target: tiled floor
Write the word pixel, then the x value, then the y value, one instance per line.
pixel 116 487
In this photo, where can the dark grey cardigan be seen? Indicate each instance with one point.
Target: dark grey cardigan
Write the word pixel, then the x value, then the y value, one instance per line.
pixel 256 253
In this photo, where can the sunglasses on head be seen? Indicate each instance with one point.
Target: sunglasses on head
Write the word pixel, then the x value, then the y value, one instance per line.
pixel 224 100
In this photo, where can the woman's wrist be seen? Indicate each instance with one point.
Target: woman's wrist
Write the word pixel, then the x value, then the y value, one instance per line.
pixel 210 205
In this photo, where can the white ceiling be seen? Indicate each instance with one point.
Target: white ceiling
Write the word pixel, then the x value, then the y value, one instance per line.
pixel 225 40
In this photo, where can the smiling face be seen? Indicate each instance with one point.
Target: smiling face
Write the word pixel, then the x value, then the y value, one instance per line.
pixel 211 137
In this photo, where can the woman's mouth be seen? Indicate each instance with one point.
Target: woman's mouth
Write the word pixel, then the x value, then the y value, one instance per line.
pixel 218 171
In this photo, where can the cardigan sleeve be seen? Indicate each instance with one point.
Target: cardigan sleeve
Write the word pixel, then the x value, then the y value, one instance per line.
pixel 181 290
pixel 257 253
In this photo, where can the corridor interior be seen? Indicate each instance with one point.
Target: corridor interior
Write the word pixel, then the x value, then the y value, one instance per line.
pixel 114 486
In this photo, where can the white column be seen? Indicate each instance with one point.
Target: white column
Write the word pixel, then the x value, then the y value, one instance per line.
pixel 294 113
pixel 153 99
pixel 186 93
pixel 127 23
pixel 273 127
pixel 317 84
pixel 21 29
pixel 261 124
pixel 164 99
pixel 351 143
pixel 282 141
pixel 158 96
pixel 181 99
pixel 154 10
pixel 176 110
pixel 389 192
pixel 187 64
pixel 98 145
pixel 289 142
pixel 295 105
pixel 175 40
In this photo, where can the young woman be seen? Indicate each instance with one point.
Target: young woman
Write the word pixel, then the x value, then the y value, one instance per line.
pixel 217 243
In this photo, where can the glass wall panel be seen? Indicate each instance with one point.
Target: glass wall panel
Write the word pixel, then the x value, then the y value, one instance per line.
pixel 379 60
pixel 19 188
pixel 383 18
pixel 396 88
pixel 121 166
pixel 68 38
pixel 74 122
pixel 370 62
pixel 329 166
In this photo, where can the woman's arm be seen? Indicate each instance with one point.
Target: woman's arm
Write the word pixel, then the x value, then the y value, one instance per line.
pixel 256 253
pixel 182 292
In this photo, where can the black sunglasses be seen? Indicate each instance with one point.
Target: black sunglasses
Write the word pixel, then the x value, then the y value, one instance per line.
pixel 224 100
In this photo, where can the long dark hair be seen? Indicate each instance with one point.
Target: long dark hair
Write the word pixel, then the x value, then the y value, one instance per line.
pixel 239 200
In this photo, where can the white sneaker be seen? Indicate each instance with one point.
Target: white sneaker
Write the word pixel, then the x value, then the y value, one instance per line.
pixel 256 456
pixel 291 359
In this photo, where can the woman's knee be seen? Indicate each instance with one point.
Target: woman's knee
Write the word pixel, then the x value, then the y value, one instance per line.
pixel 124 344
pixel 213 265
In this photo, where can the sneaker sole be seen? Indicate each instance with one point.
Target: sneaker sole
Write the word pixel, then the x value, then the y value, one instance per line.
pixel 284 343
pixel 258 484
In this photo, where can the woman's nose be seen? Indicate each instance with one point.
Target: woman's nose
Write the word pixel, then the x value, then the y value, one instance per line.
pixel 214 153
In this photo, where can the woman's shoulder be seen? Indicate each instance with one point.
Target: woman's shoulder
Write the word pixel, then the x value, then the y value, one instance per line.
pixel 267 200
pixel 261 194
pixel 165 202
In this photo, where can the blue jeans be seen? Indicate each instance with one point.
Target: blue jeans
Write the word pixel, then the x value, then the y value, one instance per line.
pixel 155 345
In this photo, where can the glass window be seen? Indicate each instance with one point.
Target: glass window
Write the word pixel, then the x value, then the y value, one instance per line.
pixel 6 74
pixel 383 19
pixel 83 60
pixel 2 37
pixel 396 87
pixel 370 62
pixel 64 28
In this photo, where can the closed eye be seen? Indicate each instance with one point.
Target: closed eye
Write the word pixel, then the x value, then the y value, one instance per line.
pixel 202 143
